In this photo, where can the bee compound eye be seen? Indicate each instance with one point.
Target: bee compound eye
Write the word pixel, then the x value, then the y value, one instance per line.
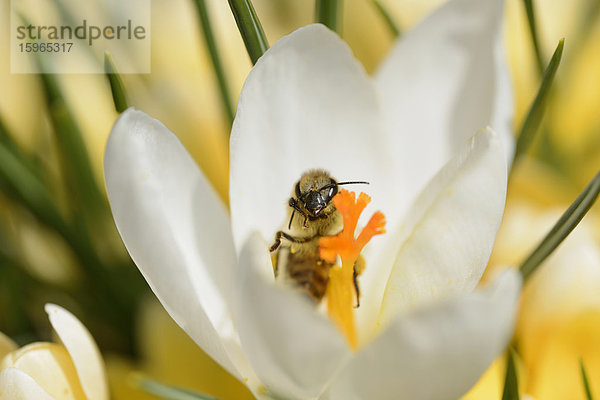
pixel 326 194
pixel 333 191
pixel 329 191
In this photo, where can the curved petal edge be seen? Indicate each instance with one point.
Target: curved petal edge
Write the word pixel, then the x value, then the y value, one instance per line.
pixel 83 351
pixel 293 348
pixel 412 357
pixel 175 228
pixel 446 241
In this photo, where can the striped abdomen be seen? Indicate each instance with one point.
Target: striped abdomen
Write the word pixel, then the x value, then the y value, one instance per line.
pixel 309 273
pixel 302 267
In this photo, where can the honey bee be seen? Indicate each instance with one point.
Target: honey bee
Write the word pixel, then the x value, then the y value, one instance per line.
pixel 313 215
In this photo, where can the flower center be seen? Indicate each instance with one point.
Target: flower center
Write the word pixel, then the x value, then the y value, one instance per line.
pixel 340 304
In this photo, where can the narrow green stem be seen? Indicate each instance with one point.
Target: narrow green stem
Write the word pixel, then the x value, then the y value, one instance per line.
pixel 538 107
pixel 85 194
pixel 209 40
pixel 329 13
pixel 387 17
pixel 17 287
pixel 250 28
pixel 534 36
pixel 511 383
pixel 567 222
pixel 586 381
pixel 4 136
pixel 116 85
pixel 111 300
pixel 11 146
pixel 29 190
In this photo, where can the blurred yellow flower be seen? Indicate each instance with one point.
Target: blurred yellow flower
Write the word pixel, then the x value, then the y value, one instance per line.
pixel 491 384
pixel 72 368
pixel 572 121
pixel 559 320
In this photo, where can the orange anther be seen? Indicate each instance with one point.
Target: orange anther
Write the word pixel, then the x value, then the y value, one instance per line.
pixel 341 286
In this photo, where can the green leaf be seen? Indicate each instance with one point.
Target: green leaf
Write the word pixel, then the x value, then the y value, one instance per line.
pixel 24 186
pixel 116 85
pixel 17 286
pixel 4 135
pixel 534 36
pixel 511 384
pixel 387 17
pixel 538 107
pixel 250 28
pixel 586 382
pixel 567 222
pixel 209 39
pixel 329 12
pixel 167 391
pixel 8 141
pixel 84 192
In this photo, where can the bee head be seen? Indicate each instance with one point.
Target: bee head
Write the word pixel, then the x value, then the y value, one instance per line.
pixel 313 194
pixel 316 198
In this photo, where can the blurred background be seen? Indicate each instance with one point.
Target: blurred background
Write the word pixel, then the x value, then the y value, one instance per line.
pixel 58 242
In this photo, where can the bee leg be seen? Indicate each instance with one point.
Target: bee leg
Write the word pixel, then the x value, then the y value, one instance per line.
pixel 294 204
pixel 359 267
pixel 282 235
pixel 356 288
pixel 275 245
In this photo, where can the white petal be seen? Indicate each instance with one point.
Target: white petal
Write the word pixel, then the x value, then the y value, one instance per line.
pixel 83 351
pixel 504 105
pixel 436 352
pixel 51 366
pixel 442 81
pixel 451 228
pixel 306 104
pixel 174 226
pixel 294 349
pixel 17 385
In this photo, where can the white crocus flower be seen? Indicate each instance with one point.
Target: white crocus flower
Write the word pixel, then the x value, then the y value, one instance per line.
pixel 424 333
pixel 71 369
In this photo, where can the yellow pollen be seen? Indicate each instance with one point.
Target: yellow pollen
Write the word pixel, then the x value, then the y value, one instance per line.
pixel 262 390
pixel 340 304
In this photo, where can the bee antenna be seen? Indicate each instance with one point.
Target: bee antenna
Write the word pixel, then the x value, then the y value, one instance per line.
pixel 353 183
pixel 330 185
pixel 291 219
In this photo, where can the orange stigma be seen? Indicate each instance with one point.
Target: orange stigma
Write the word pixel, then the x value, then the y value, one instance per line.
pixel 341 283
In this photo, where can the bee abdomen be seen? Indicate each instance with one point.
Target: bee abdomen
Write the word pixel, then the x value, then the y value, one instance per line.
pixel 311 274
